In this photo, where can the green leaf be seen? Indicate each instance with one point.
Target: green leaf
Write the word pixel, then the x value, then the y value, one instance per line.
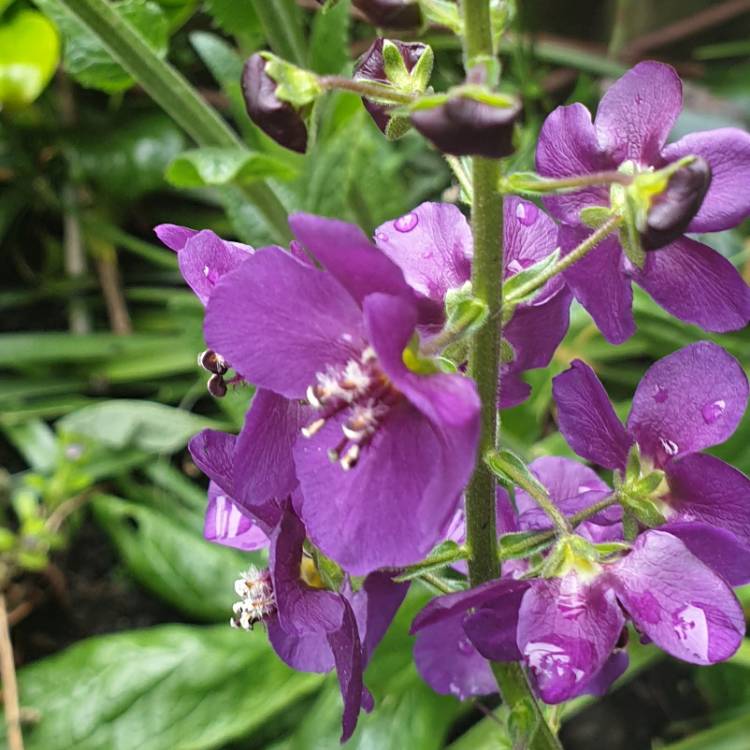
pixel 36 442
pixel 151 427
pixel 731 735
pixel 442 13
pixel 329 40
pixel 237 17
pixel 213 166
pixel 84 56
pixel 528 275
pixel 175 686
pixel 195 576
pixel 29 54
pixel 132 159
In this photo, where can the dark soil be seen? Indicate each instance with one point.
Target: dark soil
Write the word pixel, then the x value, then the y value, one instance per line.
pixel 87 593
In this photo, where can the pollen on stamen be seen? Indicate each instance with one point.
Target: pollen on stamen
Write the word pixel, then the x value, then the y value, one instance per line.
pixel 257 600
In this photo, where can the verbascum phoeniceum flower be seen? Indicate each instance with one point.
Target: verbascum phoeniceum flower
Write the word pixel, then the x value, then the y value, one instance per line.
pixel 671 194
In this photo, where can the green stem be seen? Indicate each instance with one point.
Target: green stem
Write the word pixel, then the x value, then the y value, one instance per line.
pixel 282 28
pixel 543 185
pixel 172 93
pixel 371 89
pixel 487 230
pixel 455 163
pixel 564 263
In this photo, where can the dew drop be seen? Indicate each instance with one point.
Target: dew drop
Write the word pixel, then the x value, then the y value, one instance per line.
pixel 381 237
pixel 406 223
pixel 455 689
pixel 660 394
pixel 711 412
pixel 211 276
pixel 527 213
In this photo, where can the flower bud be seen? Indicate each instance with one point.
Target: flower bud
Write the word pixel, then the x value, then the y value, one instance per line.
pixel 405 65
pixel 469 124
pixel 390 14
pixel 276 118
pixel 672 210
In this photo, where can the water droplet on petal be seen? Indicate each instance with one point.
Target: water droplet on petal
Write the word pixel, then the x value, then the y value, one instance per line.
pixel 527 213
pixel 381 237
pixel 406 223
pixel 464 646
pixel 427 255
pixel 711 412
pixel 455 689
pixel 691 628
pixel 660 394
pixel 211 276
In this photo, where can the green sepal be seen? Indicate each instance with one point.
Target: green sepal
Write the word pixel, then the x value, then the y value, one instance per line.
pixel 644 509
pixel 442 13
pixel 630 237
pixel 527 275
pixel 630 526
pixel 633 464
pixel 516 544
pixel 422 72
pixel 465 313
pixel 394 66
pixel 511 471
pixel 330 572
pixel 507 353
pixel 595 216
pixel 608 549
pixel 295 85
pixel 414 360
pixel 572 552
pixel 397 127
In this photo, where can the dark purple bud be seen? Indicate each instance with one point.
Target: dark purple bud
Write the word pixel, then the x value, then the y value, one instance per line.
pixel 465 126
pixel 371 67
pixel 390 14
pixel 674 209
pixel 276 118
pixel 216 386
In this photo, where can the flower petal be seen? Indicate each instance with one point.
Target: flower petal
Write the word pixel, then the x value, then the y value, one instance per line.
pixel 205 259
pixel 502 593
pixel 638 111
pixel 226 524
pixel 687 401
pixel 612 669
pixel 213 453
pixel 529 236
pixel 174 236
pixel 586 417
pixel 301 609
pixel 727 151
pixel 677 601
pixel 599 284
pixel 572 487
pixel 704 488
pixel 696 284
pixel 432 245
pixel 568 146
pixel 375 605
pixel 349 256
pixel 513 389
pixel 535 331
pixel 718 548
pixel 448 662
pixel 567 629
pixel 387 511
pixel 279 322
pixel 264 464
pixel 306 653
pixel 347 654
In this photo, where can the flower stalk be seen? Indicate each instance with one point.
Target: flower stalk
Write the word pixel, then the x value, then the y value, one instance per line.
pixel 581 251
pixel 372 89
pixel 487 230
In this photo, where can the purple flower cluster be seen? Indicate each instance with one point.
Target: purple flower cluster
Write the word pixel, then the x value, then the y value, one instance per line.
pixel 363 430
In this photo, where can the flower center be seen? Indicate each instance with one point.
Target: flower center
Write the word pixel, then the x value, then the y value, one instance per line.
pixel 362 392
pixel 257 601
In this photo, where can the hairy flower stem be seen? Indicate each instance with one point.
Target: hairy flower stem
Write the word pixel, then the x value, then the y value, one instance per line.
pixel 372 89
pixel 591 242
pixel 173 94
pixel 538 186
pixel 481 536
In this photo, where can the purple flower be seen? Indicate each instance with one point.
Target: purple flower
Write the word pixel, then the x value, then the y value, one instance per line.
pixel 568 629
pixel 444 655
pixel 385 452
pixel 687 278
pixel 687 401
pixel 311 628
pixel 433 246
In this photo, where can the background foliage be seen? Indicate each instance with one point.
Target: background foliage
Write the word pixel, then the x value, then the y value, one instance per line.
pixel 118 605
